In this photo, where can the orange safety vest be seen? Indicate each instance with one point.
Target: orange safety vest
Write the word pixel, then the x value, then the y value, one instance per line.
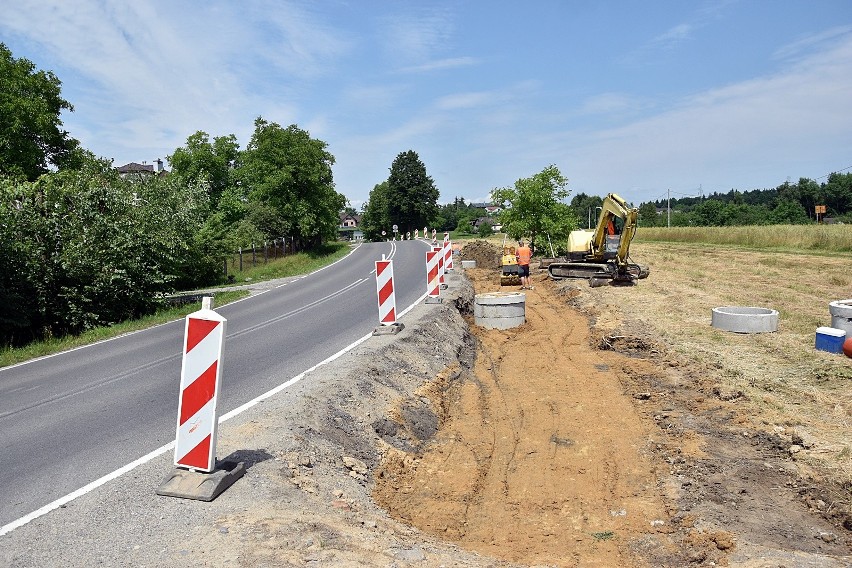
pixel 524 255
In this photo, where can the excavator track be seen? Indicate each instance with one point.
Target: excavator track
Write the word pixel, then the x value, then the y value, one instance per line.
pixel 596 273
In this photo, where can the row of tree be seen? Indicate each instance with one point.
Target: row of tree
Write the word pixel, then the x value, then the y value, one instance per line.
pixel 80 245
pixel 787 204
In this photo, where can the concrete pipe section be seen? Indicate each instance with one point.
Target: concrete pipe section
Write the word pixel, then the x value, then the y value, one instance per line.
pixel 500 310
pixel 745 320
pixel 841 315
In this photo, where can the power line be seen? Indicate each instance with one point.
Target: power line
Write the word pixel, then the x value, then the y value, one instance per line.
pixel 835 172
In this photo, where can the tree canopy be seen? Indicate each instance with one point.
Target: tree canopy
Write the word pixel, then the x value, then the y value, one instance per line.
pixel 289 184
pixel 31 136
pixel 204 161
pixel 86 247
pixel 375 218
pixel 412 198
pixel 534 208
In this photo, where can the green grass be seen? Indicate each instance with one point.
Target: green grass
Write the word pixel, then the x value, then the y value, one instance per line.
pixel 12 355
pixel 812 238
pixel 292 265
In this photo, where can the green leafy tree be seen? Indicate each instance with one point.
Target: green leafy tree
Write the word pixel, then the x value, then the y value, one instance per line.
pixel 710 213
pixel 534 208
pixel 204 161
pixel 375 218
pixel 485 229
pixel 837 193
pixel 586 208
pixel 31 136
pixel 92 248
pixel 788 212
pixel 412 198
pixel 648 215
pixel 287 176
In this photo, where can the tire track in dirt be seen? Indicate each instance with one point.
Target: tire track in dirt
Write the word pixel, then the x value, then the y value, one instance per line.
pixel 541 457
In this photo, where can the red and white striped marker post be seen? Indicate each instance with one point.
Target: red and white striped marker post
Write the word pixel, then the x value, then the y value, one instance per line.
pixel 200 378
pixel 448 254
pixel 440 251
pixel 433 287
pixel 384 289
pixel 386 297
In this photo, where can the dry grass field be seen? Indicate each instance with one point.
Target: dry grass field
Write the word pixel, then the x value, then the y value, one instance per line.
pixel 786 383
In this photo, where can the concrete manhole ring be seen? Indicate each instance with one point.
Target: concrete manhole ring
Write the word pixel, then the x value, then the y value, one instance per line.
pixel 739 319
pixel 499 310
pixel 841 315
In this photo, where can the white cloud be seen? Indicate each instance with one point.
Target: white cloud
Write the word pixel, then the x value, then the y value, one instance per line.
pixel 673 36
pixel 441 64
pixel 747 135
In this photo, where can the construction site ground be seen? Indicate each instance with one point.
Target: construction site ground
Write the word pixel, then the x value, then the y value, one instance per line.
pixel 615 428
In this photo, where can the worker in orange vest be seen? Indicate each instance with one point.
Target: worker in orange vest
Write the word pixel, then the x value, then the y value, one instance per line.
pixel 523 254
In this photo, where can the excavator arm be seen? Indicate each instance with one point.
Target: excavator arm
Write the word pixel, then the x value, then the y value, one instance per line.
pixel 617 224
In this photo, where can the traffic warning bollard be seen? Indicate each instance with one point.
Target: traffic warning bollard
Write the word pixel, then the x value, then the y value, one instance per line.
pixel 387 299
pixel 448 254
pixel 433 287
pixel 198 420
pixel 440 251
pixel 200 377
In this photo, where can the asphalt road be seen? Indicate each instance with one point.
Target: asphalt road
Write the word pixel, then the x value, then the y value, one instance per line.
pixel 72 418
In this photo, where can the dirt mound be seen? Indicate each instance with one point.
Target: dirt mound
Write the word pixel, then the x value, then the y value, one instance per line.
pixel 484 253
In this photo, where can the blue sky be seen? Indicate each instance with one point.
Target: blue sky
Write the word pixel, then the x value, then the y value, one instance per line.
pixel 631 97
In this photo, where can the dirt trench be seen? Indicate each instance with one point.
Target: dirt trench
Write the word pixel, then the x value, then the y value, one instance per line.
pixel 573 445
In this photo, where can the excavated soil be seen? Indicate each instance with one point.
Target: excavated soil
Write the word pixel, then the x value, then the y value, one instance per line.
pixel 582 439
pixel 613 428
pixel 486 255
pixel 540 457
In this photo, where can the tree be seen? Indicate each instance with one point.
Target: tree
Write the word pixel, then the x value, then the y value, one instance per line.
pixel 837 193
pixel 91 248
pixel 788 212
pixel 288 174
pixel 213 163
pixel 585 208
pixel 412 198
pixel 534 207
pixel 31 136
pixel 375 218
pixel 485 229
pixel 711 213
pixel 648 215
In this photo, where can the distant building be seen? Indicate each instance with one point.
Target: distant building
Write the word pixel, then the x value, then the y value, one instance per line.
pixel 348 228
pixel 347 220
pixel 141 170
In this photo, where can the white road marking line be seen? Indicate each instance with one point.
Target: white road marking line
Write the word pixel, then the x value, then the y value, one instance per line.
pixel 7 528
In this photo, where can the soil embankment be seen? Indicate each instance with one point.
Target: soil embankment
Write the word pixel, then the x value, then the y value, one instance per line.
pixel 585 437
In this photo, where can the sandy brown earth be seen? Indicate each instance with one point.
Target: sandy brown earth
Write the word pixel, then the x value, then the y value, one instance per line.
pixel 614 428
pixel 598 434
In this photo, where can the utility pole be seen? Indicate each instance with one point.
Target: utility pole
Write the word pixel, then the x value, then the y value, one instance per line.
pixel 669 209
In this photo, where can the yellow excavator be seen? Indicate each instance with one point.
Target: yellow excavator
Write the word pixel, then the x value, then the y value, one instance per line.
pixel 601 255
